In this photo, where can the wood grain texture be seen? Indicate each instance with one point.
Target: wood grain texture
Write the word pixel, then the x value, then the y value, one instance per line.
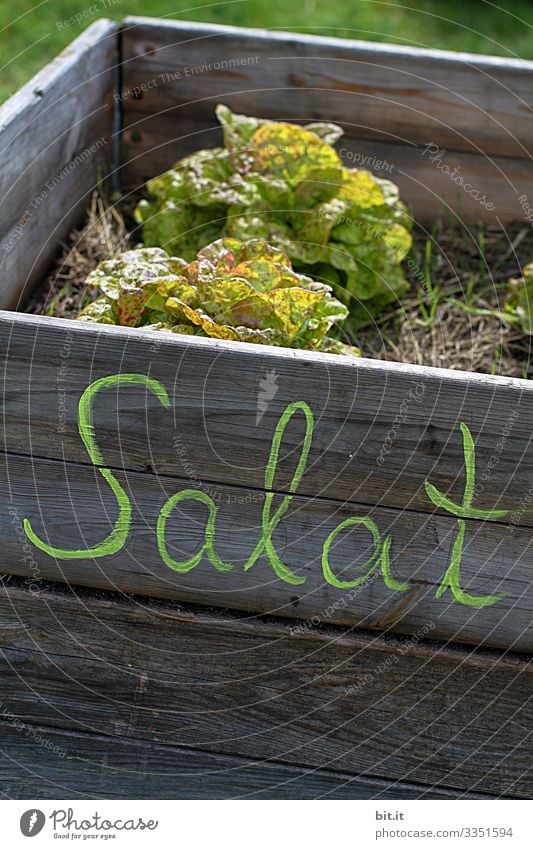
pixel 211 439
pixel 323 699
pixel 391 101
pixel 55 140
pixel 69 507
pixel 37 762
pixel 214 385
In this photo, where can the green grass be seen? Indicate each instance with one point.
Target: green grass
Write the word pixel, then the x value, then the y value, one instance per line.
pixel 31 31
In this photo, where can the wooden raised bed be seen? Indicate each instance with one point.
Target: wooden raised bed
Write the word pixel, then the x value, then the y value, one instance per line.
pixel 282 688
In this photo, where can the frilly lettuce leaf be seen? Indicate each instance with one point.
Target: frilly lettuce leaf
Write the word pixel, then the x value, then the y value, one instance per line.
pixel 285 184
pixel 181 229
pixel 101 311
pixel 242 291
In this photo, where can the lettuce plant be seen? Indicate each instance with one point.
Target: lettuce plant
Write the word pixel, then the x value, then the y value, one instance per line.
pixel 519 303
pixel 244 291
pixel 286 184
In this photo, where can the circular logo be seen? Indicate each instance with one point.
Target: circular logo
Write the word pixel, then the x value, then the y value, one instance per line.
pixel 32 822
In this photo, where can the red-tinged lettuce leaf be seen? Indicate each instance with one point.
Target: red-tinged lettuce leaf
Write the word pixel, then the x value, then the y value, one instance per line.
pixel 204 178
pixel 233 290
pixel 301 159
pixel 255 311
pixel 311 230
pixel 130 283
pixel 101 311
pixel 180 311
pixel 239 129
pixel 303 314
pixel 133 269
pixel 158 292
pixel 284 184
pixel 209 179
pixel 130 306
pixel 260 249
pixel 220 296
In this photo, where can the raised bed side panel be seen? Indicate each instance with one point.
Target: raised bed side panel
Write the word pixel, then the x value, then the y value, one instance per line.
pixel 312 708
pixel 101 766
pixel 411 511
pixel 56 141
pixel 393 102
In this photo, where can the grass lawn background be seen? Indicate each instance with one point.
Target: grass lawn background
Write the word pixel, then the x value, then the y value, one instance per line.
pixel 32 31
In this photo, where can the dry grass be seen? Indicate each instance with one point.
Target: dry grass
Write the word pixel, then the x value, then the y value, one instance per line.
pixel 459 277
pixel 457 282
pixel 65 292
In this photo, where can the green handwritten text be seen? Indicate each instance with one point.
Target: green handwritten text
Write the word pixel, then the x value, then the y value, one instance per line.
pixel 118 536
pixel 272 515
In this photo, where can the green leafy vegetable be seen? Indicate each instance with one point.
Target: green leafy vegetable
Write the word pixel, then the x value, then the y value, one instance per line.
pixel 287 185
pixel 519 304
pixel 245 291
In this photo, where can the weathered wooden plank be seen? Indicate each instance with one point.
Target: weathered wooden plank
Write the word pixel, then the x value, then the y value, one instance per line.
pixel 37 762
pixel 462 101
pixel 70 507
pixel 218 429
pixel 175 72
pixel 55 138
pixel 322 699
pixel 212 434
pixel 422 174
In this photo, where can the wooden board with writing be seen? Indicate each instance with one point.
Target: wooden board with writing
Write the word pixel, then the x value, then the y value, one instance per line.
pixel 291 506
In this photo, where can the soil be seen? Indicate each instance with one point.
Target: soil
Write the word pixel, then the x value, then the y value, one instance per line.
pixel 458 274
